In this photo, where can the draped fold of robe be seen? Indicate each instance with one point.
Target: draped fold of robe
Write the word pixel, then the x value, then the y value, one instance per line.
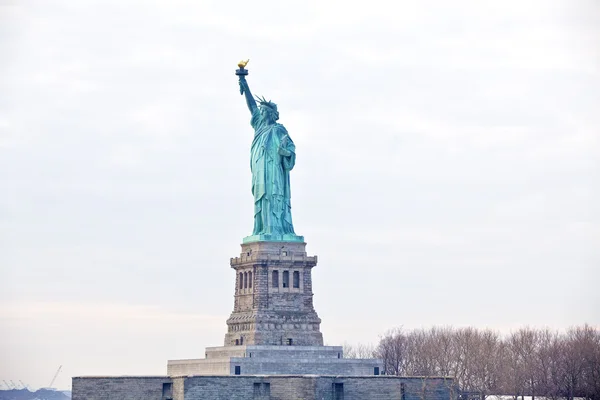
pixel 271 177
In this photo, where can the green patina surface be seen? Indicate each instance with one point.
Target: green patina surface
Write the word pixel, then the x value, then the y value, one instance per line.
pixel 272 157
pixel 272 238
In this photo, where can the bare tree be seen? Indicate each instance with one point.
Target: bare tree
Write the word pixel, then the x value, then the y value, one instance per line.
pixel 573 362
pixel 522 349
pixel 360 350
pixel 581 360
pixel 392 349
pixel 547 363
pixel 466 341
pixel 420 355
pixel 442 341
pixel 528 362
pixel 349 350
pixel 487 368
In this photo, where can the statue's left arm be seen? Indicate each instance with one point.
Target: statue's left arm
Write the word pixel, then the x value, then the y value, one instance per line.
pixel 282 147
pixel 287 150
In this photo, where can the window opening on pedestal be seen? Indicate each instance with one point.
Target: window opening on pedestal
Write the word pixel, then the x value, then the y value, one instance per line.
pixel 288 341
pixel 376 371
pixel 241 340
pixel 237 342
pixel 250 280
pixel 286 279
pixel 237 370
pixel 262 390
pixel 245 280
pixel 296 279
pixel 284 253
pixel 167 391
pixel 241 280
pixel 275 279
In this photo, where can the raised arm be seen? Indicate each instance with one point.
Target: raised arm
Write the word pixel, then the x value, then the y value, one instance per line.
pixel 245 90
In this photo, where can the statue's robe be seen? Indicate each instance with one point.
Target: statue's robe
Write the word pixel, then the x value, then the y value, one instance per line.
pixel 271 177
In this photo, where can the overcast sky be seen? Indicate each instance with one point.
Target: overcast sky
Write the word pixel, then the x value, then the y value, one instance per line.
pixel 447 173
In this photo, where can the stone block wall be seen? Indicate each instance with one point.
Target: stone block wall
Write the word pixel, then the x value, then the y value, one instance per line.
pixel 178 388
pixel 260 366
pixel 294 388
pixel 391 387
pixel 249 388
pixel 264 387
pixel 272 360
pixel 288 352
pixel 300 387
pixel 199 367
pixel 220 388
pixel 121 388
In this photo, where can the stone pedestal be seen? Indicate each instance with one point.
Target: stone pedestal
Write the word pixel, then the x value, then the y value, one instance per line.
pixel 274 360
pixel 274 328
pixel 273 297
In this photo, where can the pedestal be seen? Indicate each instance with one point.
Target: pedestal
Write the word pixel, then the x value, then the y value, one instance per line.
pixel 273 296
pixel 274 328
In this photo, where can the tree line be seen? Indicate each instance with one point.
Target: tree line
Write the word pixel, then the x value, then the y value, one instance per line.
pixel 527 362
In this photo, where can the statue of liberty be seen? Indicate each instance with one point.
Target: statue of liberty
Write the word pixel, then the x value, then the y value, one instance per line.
pixel 272 157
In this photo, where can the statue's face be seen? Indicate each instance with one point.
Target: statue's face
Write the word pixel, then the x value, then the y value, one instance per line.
pixel 267 114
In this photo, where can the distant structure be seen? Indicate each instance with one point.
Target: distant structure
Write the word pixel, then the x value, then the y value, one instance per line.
pixel 273 348
pixel 51 385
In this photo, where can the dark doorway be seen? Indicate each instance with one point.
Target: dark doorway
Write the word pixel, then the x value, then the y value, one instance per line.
pixel 338 391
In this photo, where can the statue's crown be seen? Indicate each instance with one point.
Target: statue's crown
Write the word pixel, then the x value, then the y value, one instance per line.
pixel 266 103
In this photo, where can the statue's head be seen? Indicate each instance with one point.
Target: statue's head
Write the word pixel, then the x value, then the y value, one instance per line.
pixel 268 110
